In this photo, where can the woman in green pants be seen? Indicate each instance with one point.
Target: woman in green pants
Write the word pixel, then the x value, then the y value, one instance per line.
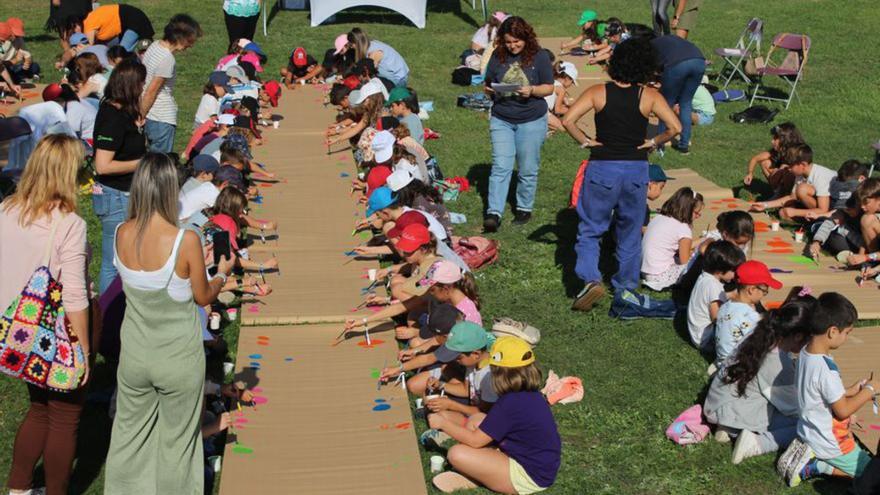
pixel 155 447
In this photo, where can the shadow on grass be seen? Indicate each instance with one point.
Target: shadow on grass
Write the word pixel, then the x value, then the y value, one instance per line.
pixel 478 176
pixel 377 15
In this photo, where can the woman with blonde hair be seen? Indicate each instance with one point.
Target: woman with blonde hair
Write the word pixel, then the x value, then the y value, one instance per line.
pixel 389 63
pixel 41 214
pixel 155 445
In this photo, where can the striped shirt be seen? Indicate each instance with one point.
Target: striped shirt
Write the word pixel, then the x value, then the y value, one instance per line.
pixel 160 63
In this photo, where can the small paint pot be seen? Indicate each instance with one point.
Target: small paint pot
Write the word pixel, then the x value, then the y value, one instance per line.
pixel 228 367
pixel 275 124
pixel 216 462
pixel 371 274
pixel 437 463
pixel 774 226
pixel 302 82
pixel 419 403
pixel 215 321
pixel 799 236
pixel 232 314
pixel 429 398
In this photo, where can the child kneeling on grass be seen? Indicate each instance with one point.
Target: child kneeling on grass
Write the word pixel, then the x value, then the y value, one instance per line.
pixel 520 423
pixel 666 247
pixel 825 444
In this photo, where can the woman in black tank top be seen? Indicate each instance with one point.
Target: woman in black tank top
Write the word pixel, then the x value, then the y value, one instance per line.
pixel 616 178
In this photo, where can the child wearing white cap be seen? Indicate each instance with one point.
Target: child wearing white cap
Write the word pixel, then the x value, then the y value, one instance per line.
pixel 565 75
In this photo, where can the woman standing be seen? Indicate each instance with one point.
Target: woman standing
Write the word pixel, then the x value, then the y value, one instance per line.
pixel 616 181
pixel 41 218
pixel 119 144
pixel 389 63
pixel 518 124
pixel 155 447
pixel 683 66
pixel 241 18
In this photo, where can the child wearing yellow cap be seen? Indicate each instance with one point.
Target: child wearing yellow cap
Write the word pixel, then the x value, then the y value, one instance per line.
pixel 520 424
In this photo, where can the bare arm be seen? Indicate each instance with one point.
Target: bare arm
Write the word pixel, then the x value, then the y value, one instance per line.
pixel 150 94
pixel 584 103
pixel 476 438
pixel 106 165
pixel 714 306
pixel 350 133
pixel 847 405
pixel 757 159
pixel 391 311
pixel 576 41
pixel 204 291
pixel 684 250
pixel 664 112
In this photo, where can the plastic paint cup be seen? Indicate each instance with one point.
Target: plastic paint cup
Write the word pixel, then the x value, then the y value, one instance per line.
pixel 774 226
pixel 419 403
pixel 302 82
pixel 232 314
pixel 228 367
pixel 799 236
pixel 276 124
pixel 437 463
pixel 429 398
pixel 215 321
pixel 216 462
pixel 371 274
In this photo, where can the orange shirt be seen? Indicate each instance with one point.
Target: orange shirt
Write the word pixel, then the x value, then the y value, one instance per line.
pixel 105 20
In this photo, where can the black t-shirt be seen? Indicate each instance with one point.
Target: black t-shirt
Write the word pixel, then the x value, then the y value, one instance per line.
pixel 672 50
pixel 301 71
pixel 511 107
pixel 135 19
pixel 336 64
pixel 68 8
pixel 115 131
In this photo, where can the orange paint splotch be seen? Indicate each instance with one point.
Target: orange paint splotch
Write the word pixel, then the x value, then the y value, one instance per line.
pixel 373 343
pixel 781 251
pixel 403 426
pixel 772 304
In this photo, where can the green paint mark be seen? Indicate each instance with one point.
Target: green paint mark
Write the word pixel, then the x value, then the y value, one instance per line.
pixel 374 372
pixel 803 260
pixel 240 449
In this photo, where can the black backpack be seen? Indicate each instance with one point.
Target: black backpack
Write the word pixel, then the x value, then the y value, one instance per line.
pixel 462 76
pixel 758 114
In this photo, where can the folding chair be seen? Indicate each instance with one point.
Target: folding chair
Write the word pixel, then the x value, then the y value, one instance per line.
pixel 791 70
pixel 484 4
pixel 735 58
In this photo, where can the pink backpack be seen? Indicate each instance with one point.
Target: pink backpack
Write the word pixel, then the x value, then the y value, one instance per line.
pixel 476 251
pixel 688 427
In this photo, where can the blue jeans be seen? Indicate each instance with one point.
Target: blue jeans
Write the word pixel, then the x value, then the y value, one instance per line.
pixel 520 144
pixel 111 208
pixel 128 40
pixel 618 189
pixel 680 82
pixel 160 136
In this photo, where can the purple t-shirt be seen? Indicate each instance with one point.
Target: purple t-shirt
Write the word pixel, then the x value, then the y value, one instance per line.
pixel 523 427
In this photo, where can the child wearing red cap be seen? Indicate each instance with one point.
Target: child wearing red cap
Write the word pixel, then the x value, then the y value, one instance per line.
pixel 301 68
pixel 13 56
pixel 738 317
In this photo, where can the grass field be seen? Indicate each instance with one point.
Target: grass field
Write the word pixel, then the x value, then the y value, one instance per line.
pixel 637 376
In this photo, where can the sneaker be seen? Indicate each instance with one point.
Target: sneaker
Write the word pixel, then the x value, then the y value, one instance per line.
pixel 434 438
pixel 522 218
pixel 591 293
pixel 792 462
pixel 722 435
pixel 843 256
pixel 711 370
pixel 682 149
pixel 746 446
pixel 491 222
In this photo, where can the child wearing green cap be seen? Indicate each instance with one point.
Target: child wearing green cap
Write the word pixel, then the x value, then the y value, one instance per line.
pixel 588 39
pixel 405 106
pixel 520 424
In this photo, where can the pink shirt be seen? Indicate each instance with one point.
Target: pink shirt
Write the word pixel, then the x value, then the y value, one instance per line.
pixel 22 250
pixel 470 311
pixel 660 244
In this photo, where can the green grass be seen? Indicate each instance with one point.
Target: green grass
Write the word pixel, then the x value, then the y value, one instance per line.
pixel 637 376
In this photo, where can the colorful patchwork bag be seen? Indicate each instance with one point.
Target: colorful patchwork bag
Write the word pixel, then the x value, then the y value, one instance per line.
pixel 35 344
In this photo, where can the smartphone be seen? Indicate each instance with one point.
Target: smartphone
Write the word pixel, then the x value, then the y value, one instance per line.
pixel 221 246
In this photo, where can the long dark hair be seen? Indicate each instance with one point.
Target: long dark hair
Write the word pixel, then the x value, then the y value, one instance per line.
pixel 125 87
pixel 518 28
pixel 791 320
pixel 681 205
pixel 408 194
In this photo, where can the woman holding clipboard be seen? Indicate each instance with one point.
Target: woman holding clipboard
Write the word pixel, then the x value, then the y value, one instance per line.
pixel 518 77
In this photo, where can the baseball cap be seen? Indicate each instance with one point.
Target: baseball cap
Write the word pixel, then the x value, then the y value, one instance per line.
pixel 413 237
pixel 587 16
pixel 226 119
pixel 227 223
pixel 253 47
pixel 5 31
pixel 273 89
pixel 464 337
pixel 205 163
pixel 511 352
pixel 16 25
pixel 230 175
pixel 377 177
pixel 299 57
pixel 399 179
pixel 439 320
pixel 340 43
pixel 372 87
pixel 570 70
pixel 52 92
pixel 380 199
pixel 352 82
pixel 656 173
pixel 441 272
pixel 410 217
pixel 76 39
pixel 397 94
pixel 756 273
pixel 239 142
pixel 500 16
pixel 219 78
pixel 252 59
pixel 383 146
pixel 237 72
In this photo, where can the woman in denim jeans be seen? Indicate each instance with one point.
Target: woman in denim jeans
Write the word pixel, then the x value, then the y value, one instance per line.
pixel 119 145
pixel 518 124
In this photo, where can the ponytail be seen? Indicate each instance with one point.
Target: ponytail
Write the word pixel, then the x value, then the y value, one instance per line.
pixel 468 285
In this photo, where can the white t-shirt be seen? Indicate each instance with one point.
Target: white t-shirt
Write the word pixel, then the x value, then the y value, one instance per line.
pixel 660 244
pixel 483 36
pixel 479 381
pixel 818 386
pixel 820 178
pixel 42 116
pixel 160 62
pixel 197 199
pixel 551 98
pixel 209 105
pixel 81 117
pixel 100 81
pixel 707 290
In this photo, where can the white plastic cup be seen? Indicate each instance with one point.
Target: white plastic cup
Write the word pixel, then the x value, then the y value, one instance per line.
pixel 302 82
pixel 798 236
pixel 371 273
pixel 275 124
pixel 215 321
pixel 419 403
pixel 232 314
pixel 216 462
pixel 429 398
pixel 228 367
pixel 774 226
pixel 437 463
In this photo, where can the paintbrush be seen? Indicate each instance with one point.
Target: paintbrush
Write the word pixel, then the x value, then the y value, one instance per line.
pixel 277 267
pixel 384 365
pixel 341 335
pixel 864 270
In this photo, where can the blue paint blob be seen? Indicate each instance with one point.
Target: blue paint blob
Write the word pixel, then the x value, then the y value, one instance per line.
pixel 289 359
pixel 379 401
pixel 382 407
pixel 343 174
pixel 256 356
pixel 255 364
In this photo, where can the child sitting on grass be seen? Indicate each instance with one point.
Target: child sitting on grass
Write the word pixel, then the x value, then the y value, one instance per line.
pixel 565 75
pixel 868 195
pixel 520 424
pixel 666 247
pixel 737 317
pixel 812 192
pixel 825 444
pixel 720 262
pixel 404 106
pixel 773 161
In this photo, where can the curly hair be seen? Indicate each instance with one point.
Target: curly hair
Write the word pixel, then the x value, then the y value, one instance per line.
pixel 518 28
pixel 633 62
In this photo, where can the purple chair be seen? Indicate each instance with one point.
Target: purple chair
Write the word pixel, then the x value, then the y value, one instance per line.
pixel 796 48
pixel 735 57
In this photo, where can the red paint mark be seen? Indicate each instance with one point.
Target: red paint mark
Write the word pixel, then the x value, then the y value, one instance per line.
pixel 375 309
pixel 260 400
pixel 729 199
pixel 262 337
pixel 264 184
pixel 714 208
pixel 732 206
pixel 778 244
pixel 384 427
pixel 403 426
pixel 373 343
pixel 874 427
pixel 239 421
pixel 257 390
pixel 772 304
pixel 253 308
pixel 761 227
pixel 262 342
pixel 781 251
